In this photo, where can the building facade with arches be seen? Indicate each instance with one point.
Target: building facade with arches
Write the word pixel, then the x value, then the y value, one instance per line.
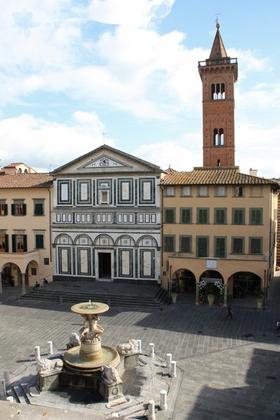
pixel 25 246
pixel 106 218
pixel 219 225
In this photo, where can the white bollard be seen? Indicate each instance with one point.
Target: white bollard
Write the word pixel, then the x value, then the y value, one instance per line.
pixel 151 410
pixel 37 352
pixel 163 400
pixel 3 389
pixel 152 350
pixel 50 344
pixel 139 342
pixel 173 371
pixel 168 360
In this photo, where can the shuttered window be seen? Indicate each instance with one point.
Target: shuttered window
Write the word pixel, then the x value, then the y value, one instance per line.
pixel 202 246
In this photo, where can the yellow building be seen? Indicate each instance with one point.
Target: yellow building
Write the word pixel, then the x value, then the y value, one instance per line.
pixel 219 227
pixel 25 247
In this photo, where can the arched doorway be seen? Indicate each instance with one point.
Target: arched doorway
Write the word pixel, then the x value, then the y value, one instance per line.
pixel 211 282
pixel 32 273
pixel 244 284
pixel 183 281
pixel 11 275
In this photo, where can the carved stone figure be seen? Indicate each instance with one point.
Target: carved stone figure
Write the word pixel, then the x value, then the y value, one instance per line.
pixel 74 341
pixel 46 366
pixel 128 348
pixel 110 375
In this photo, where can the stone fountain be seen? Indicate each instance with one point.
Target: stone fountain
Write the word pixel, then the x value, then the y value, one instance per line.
pixel 87 364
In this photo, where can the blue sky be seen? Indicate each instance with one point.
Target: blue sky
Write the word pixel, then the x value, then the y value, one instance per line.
pixel 77 74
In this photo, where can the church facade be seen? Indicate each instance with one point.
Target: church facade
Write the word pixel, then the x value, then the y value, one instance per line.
pixel 106 218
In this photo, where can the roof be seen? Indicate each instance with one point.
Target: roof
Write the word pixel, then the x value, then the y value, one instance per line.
pixel 34 180
pixel 214 176
pixel 218 49
pixel 105 148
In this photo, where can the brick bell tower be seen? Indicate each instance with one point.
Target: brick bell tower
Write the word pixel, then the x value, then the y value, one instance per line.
pixel 218 74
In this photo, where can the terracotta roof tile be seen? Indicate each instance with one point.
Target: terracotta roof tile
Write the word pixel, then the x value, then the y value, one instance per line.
pixel 35 180
pixel 214 176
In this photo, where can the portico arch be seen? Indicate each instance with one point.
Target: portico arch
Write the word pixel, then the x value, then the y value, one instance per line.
pixel 244 284
pixel 184 281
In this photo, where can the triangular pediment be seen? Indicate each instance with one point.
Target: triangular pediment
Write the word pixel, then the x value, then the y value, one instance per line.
pixel 106 159
pixel 103 161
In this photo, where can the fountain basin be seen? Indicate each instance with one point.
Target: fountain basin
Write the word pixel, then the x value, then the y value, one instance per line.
pixel 106 356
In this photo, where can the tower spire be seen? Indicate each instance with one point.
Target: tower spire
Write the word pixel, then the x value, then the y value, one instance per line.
pixel 218 50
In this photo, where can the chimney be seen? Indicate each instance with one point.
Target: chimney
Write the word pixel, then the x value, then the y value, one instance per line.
pixel 253 172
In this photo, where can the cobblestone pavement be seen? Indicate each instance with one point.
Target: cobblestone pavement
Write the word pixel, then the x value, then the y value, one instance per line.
pixel 230 368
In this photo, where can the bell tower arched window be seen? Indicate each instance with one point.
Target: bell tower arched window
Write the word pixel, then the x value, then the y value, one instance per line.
pixel 218 91
pixel 218 137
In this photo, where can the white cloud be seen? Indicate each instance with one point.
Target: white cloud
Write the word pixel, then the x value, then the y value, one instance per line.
pixel 45 144
pixel 182 154
pixel 138 13
pixel 258 147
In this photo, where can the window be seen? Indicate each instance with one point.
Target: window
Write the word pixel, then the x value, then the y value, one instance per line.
pixel 220 216
pixel 238 192
pixel 186 215
pixel 3 208
pixel 19 243
pixel 255 246
pixel 256 216
pixel 185 244
pixel 220 247
pixel 238 216
pixel 202 246
pixel 169 191
pixel 238 245
pixel 64 191
pixel 46 261
pixel 39 241
pixel 220 191
pixel 218 91
pixel 33 271
pixel 169 216
pixel 18 208
pixel 38 207
pixel 104 197
pixel 169 243
pixel 186 191
pixel 218 137
pixel 203 216
pixel 202 191
pixel 4 244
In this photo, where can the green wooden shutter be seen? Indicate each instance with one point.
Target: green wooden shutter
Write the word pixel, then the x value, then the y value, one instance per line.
pixel 24 243
pixel 6 243
pixel 13 209
pixel 14 247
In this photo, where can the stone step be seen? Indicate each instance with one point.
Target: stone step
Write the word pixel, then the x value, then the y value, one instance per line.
pixel 132 409
pixel 20 394
pixel 78 297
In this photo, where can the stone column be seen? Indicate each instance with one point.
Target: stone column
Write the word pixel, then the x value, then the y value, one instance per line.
pixel 1 287
pixel 23 283
pixel 225 295
pixel 196 294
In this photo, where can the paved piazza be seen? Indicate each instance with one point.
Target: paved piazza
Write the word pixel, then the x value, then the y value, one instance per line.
pixel 230 369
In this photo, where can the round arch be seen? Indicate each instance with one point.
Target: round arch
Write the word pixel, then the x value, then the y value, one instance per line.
pixel 125 240
pixel 31 273
pixel 147 240
pixel 103 240
pixel 83 239
pixel 244 284
pixel 63 239
pixel 11 275
pixel 184 281
pixel 211 283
